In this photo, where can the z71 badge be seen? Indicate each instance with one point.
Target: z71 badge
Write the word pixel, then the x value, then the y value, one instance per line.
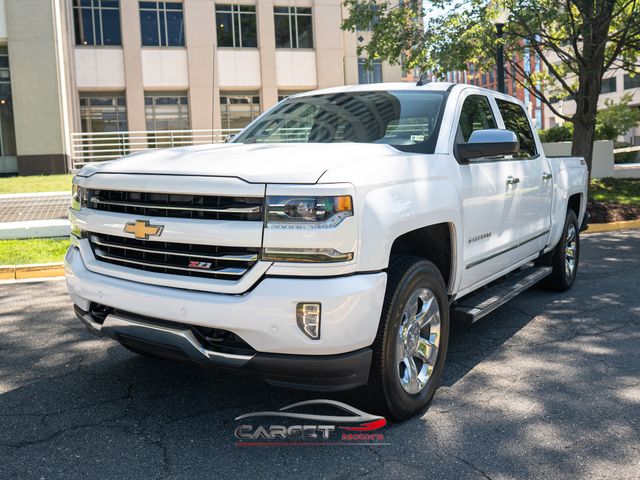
pixel 202 265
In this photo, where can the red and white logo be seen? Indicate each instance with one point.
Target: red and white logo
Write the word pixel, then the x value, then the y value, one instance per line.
pixel 357 427
pixel 200 265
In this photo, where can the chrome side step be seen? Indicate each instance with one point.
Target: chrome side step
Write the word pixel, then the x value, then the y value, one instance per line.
pixel 472 308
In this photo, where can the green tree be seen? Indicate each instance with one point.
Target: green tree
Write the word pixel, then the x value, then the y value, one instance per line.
pixel 616 119
pixel 576 42
pixel 559 133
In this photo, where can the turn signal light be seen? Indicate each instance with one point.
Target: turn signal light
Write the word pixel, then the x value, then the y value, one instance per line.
pixel 308 317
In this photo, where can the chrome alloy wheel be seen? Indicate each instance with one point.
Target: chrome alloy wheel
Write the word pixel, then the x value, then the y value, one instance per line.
pixel 570 251
pixel 418 340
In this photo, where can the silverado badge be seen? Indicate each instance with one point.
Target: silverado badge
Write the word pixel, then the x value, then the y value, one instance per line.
pixel 142 229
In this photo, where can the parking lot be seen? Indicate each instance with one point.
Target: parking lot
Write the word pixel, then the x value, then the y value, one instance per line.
pixel 546 387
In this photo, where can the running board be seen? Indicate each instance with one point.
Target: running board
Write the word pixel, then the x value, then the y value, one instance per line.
pixel 472 308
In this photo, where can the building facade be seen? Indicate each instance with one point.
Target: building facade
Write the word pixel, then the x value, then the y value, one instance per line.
pixel 529 63
pixel 615 85
pixel 95 66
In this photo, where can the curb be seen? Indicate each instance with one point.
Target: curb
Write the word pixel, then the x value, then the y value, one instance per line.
pixel 612 227
pixel 51 228
pixel 39 270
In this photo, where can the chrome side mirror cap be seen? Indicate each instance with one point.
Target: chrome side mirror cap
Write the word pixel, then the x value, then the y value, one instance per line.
pixel 491 142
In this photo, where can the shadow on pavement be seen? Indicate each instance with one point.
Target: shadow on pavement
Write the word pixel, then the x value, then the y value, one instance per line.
pixel 547 386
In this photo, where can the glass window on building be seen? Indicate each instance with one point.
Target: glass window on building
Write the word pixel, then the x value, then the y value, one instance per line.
pixel 238 110
pixel 103 112
pixel 369 76
pixel 293 27
pixel 236 26
pixel 167 111
pixel 284 94
pixel 608 85
pixel 631 82
pixel 162 24
pixel 7 128
pixel 97 22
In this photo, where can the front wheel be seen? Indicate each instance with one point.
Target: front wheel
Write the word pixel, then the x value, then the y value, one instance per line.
pixel 411 343
pixel 565 257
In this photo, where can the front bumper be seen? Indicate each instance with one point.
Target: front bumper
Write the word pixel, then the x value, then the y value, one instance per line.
pixel 263 317
pixel 309 372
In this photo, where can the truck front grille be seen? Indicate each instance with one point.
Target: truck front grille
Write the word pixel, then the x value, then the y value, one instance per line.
pixel 199 207
pixel 224 263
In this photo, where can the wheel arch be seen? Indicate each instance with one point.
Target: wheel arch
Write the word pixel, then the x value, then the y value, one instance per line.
pixel 436 243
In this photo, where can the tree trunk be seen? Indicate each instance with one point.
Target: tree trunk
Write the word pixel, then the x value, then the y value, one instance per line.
pixel 582 141
pixel 584 120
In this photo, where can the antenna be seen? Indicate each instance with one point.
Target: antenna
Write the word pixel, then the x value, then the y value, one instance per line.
pixel 422 80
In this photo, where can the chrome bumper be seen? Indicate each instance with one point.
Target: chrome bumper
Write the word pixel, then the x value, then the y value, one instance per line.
pixel 323 373
pixel 116 327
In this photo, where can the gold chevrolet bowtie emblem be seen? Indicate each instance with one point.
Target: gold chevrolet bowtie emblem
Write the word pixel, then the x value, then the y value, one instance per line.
pixel 143 230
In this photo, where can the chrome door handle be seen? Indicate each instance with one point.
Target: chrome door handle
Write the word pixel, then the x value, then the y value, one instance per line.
pixel 546 176
pixel 512 180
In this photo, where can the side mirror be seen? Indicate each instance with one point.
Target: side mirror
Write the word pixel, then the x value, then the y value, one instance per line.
pixel 491 142
pixel 230 137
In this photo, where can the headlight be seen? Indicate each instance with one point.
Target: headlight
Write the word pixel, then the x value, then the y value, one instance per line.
pixel 78 197
pixel 308 212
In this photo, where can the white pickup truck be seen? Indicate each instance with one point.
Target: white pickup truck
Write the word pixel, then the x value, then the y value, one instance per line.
pixel 330 244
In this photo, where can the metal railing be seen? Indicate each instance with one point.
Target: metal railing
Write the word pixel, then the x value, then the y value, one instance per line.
pixel 101 146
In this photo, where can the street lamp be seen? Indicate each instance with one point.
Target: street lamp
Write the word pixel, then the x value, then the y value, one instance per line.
pixel 500 18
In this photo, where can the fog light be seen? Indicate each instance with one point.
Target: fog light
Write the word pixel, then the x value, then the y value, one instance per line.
pixel 308 317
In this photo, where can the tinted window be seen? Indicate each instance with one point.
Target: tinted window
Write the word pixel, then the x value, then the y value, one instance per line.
pixel 475 115
pixel 366 75
pixel 96 22
pixel 608 85
pixel 162 24
pixel 293 27
pixel 516 120
pixel 406 120
pixel 236 26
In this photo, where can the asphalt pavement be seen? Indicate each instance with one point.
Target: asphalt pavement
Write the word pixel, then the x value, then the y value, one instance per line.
pixel 546 387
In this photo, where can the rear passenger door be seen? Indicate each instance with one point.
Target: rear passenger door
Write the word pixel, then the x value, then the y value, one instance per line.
pixel 490 204
pixel 536 185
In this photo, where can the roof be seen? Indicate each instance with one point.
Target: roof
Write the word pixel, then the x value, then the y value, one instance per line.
pixel 368 87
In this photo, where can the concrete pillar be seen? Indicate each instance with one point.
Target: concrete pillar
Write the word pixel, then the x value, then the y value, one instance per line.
pixel 327 19
pixel 200 34
pixel 267 45
pixel 37 87
pixel 132 50
pixel 349 45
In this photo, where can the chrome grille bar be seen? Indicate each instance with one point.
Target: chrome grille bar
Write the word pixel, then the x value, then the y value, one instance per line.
pixel 254 209
pixel 230 258
pixel 223 271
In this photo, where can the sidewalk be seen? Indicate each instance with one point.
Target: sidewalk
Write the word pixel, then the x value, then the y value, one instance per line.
pixel 28 215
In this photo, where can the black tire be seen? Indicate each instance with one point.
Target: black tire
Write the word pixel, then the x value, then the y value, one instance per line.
pixel 407 275
pixel 561 279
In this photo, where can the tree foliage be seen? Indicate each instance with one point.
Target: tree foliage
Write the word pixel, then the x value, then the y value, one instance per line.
pixel 616 118
pixel 612 121
pixel 575 42
pixel 558 133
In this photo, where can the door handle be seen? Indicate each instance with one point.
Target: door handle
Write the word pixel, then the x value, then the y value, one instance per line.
pixel 546 176
pixel 512 180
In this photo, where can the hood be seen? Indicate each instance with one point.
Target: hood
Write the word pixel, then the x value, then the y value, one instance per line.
pixel 262 163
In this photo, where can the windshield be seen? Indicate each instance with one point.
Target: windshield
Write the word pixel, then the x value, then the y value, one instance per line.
pixel 407 120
